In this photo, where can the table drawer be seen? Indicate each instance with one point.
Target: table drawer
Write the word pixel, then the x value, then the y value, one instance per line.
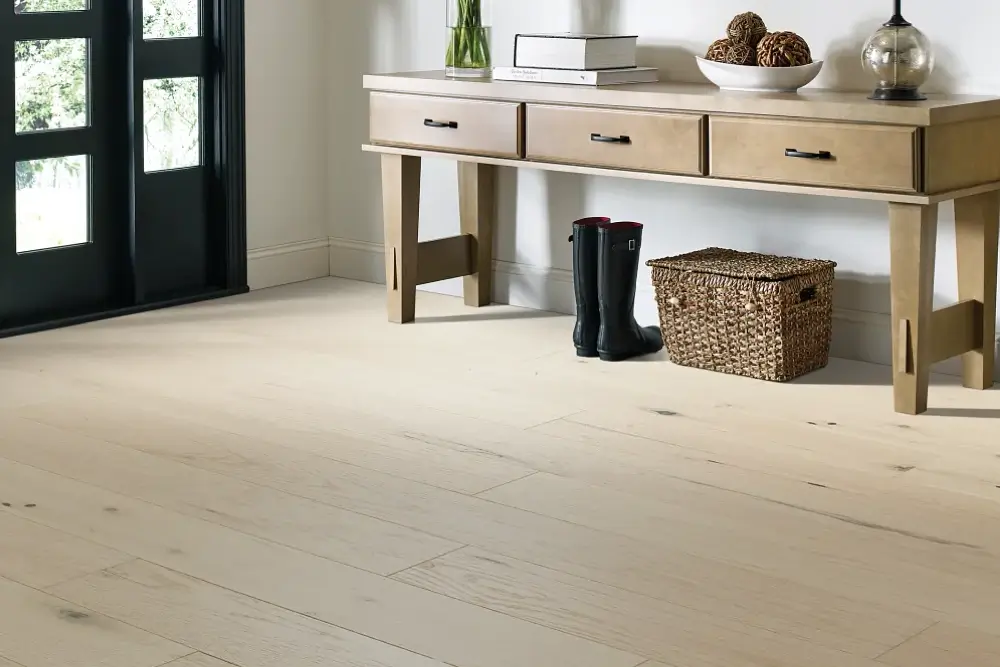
pixel 841 155
pixel 447 124
pixel 639 140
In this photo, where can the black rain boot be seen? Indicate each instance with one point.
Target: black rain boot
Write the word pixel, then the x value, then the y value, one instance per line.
pixel 588 315
pixel 620 336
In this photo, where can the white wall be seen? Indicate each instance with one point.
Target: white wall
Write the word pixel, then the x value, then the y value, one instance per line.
pixel 287 176
pixel 537 208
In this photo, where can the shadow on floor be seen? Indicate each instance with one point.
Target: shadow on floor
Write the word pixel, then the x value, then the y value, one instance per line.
pixel 964 413
pixel 487 316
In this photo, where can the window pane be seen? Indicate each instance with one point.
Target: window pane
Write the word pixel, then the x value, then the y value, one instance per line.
pixel 53 208
pixel 172 117
pixel 169 19
pixel 50 89
pixel 27 6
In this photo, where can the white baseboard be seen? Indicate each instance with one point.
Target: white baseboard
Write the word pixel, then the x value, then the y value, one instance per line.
pixel 288 263
pixel 857 334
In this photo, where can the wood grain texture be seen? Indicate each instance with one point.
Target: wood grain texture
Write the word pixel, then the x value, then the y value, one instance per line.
pixel 38 556
pixel 819 104
pixel 365 603
pixel 946 645
pixel 477 184
pixel 681 179
pixel 956 329
pixel 233 627
pixel 658 142
pixel 200 440
pixel 913 241
pixel 401 221
pixel 481 127
pixel 40 630
pixel 346 537
pixel 198 660
pixel 664 630
pixel 791 518
pixel 962 154
pixel 977 228
pixel 442 259
pixel 867 157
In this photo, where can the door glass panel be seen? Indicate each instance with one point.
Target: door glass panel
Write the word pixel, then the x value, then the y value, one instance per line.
pixel 172 117
pixel 28 6
pixel 50 84
pixel 53 208
pixel 170 19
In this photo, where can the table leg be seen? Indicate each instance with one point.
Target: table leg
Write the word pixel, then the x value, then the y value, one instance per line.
pixel 977 222
pixel 913 232
pixel 401 212
pixel 477 205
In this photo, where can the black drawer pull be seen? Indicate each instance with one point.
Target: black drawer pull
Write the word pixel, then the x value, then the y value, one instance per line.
pixel 611 140
pixel 822 155
pixel 440 123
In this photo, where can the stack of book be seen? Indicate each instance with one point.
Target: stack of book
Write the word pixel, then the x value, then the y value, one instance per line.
pixel 589 60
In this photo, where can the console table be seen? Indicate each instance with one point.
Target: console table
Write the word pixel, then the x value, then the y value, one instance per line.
pixel 911 155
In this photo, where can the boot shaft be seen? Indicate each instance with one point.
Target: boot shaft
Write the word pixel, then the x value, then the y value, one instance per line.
pixel 619 244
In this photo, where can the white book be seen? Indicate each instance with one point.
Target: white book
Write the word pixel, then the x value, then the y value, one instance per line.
pixel 575 51
pixel 604 77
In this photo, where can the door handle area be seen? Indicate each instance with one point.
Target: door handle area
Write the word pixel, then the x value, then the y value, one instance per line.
pixel 445 124
pixel 623 139
pixel 822 155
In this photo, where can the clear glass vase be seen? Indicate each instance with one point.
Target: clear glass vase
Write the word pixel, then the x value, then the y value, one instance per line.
pixel 469 26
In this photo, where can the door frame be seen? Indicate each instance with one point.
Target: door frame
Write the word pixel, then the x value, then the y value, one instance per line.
pixel 227 160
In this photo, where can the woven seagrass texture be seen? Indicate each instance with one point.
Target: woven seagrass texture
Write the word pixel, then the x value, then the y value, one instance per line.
pixel 741 54
pixel 746 314
pixel 783 49
pixel 746 28
pixel 717 51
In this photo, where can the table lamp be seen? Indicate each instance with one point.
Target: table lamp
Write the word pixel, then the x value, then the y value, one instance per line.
pixel 900 58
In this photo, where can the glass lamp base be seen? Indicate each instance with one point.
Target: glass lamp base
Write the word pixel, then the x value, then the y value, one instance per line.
pixel 901 94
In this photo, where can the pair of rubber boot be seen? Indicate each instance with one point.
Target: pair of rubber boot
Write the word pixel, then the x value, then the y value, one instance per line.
pixel 605 271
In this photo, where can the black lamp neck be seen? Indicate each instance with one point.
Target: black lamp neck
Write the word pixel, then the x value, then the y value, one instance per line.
pixel 897 19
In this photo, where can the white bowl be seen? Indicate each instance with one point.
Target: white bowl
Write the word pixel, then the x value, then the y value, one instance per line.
pixel 759 79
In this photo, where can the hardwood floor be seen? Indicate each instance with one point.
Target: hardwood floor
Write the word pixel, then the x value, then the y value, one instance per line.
pixel 285 479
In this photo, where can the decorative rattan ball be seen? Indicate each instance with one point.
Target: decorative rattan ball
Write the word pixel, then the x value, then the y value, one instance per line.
pixel 783 49
pixel 746 28
pixel 718 50
pixel 741 54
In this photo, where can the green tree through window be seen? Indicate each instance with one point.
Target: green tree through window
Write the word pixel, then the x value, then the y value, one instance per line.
pixel 52 84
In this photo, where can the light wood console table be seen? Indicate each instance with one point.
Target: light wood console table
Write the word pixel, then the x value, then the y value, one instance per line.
pixel 912 156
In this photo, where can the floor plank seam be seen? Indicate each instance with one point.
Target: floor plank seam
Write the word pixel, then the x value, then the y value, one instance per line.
pixel 196 517
pixel 12 662
pixel 881 655
pixel 427 560
pixel 571 633
pixel 303 614
pixel 84 575
pixel 45 591
pixel 176 660
pixel 502 484
pixel 555 419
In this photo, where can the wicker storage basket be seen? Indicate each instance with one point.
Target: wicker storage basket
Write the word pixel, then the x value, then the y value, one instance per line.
pixel 744 313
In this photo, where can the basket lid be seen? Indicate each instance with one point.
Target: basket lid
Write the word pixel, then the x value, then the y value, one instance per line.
pixel 738 264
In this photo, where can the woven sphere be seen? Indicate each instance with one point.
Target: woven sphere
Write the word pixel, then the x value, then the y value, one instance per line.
pixel 741 54
pixel 746 28
pixel 717 51
pixel 783 49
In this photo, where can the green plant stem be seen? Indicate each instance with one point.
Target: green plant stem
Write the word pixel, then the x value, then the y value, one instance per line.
pixel 468 43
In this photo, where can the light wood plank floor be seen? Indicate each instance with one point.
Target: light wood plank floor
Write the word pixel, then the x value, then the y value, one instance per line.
pixel 285 479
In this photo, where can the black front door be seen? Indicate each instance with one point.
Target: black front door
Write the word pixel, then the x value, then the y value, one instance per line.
pixel 116 156
pixel 63 244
